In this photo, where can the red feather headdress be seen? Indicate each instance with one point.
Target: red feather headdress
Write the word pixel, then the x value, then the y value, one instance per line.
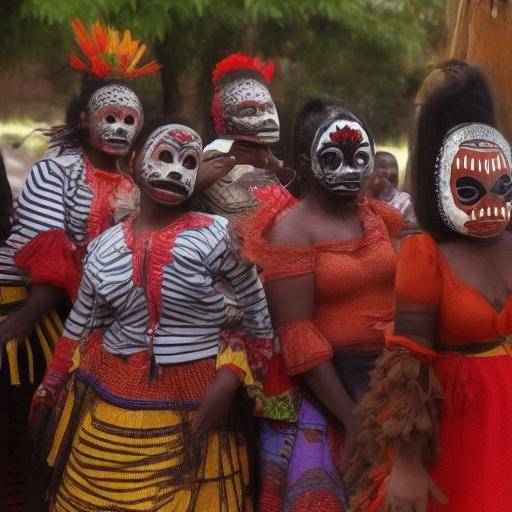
pixel 242 61
pixel 108 55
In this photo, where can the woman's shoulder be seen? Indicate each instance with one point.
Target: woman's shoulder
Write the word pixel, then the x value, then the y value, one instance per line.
pixel 290 230
pixel 392 218
pixel 273 237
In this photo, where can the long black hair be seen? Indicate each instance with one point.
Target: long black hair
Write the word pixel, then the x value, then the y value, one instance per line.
pixel 313 115
pixel 71 135
pixel 5 201
pixel 463 97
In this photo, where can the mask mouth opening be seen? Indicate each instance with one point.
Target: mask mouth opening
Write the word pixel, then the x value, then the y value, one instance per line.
pixel 169 186
pixel 117 141
pixel 349 181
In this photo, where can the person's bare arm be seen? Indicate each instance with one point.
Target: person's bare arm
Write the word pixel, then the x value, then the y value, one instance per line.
pixel 410 485
pixel 19 324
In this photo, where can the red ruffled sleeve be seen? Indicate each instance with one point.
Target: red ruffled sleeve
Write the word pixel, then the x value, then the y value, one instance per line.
pixel 51 258
pixel 303 346
pixel 276 262
pixel 391 217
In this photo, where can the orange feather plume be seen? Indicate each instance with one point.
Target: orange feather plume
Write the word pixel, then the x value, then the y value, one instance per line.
pixel 106 54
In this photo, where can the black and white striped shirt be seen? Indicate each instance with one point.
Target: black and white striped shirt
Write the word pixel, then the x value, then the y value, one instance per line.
pixel 193 312
pixel 55 195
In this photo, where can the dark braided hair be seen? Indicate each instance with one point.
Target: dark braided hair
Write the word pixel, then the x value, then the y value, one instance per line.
pixel 71 135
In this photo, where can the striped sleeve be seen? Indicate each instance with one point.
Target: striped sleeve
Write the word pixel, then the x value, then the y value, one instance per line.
pixel 40 208
pixel 90 310
pixel 243 277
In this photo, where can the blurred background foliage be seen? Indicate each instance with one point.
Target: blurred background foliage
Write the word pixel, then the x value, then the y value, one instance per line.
pixel 371 54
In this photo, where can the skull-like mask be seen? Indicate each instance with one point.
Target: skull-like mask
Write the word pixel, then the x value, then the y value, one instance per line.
pixel 168 162
pixel 474 180
pixel 245 109
pixel 342 155
pixel 115 118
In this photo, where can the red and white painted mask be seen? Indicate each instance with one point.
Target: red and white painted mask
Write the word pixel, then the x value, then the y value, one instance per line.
pixel 244 109
pixel 115 118
pixel 474 180
pixel 168 162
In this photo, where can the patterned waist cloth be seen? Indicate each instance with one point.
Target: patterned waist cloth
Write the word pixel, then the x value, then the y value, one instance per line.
pixel 126 380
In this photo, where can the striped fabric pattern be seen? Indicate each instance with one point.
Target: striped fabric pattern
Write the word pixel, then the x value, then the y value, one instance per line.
pixel 55 195
pixel 193 310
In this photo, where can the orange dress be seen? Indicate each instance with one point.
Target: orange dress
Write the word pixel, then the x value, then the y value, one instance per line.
pixel 473 470
pixel 353 279
pixel 353 303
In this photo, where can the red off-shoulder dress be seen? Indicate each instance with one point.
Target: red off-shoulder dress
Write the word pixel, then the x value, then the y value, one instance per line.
pixel 473 469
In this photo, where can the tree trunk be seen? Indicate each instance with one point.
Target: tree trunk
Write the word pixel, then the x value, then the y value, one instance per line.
pixel 172 99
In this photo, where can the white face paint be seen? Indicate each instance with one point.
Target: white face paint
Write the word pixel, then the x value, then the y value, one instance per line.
pixel 168 163
pixel 342 154
pixel 115 118
pixel 246 108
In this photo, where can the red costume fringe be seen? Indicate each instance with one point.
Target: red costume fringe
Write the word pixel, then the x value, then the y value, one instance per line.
pixel 242 61
pixel 51 258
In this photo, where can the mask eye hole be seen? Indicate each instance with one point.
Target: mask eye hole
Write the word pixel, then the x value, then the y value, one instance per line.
pixel 129 119
pixel 503 187
pixel 190 162
pixel 110 119
pixel 469 190
pixel 166 157
pixel 249 111
pixel 331 159
pixel 361 159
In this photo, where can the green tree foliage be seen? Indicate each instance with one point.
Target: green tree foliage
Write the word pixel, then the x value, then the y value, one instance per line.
pixel 369 53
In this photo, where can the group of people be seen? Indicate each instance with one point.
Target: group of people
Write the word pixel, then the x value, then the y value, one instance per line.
pixel 215 342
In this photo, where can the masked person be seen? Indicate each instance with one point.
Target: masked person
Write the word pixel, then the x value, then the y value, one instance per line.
pixel 247 124
pixel 436 422
pixel 147 421
pixel 67 200
pixel 328 267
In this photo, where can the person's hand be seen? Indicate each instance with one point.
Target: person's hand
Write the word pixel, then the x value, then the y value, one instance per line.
pixel 409 487
pixel 217 402
pixel 49 391
pixel 349 441
pixel 213 167
pixel 257 155
pixel 16 326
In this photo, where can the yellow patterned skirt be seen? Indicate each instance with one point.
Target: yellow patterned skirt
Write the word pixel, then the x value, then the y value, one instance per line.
pixel 121 459
pixel 46 333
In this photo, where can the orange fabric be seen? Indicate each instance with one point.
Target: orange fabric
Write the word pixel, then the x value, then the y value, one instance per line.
pixel 128 377
pixel 106 186
pixel 275 261
pixel 303 346
pixel 425 278
pixel 353 279
pixel 416 348
pixel 63 355
pixel 475 419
